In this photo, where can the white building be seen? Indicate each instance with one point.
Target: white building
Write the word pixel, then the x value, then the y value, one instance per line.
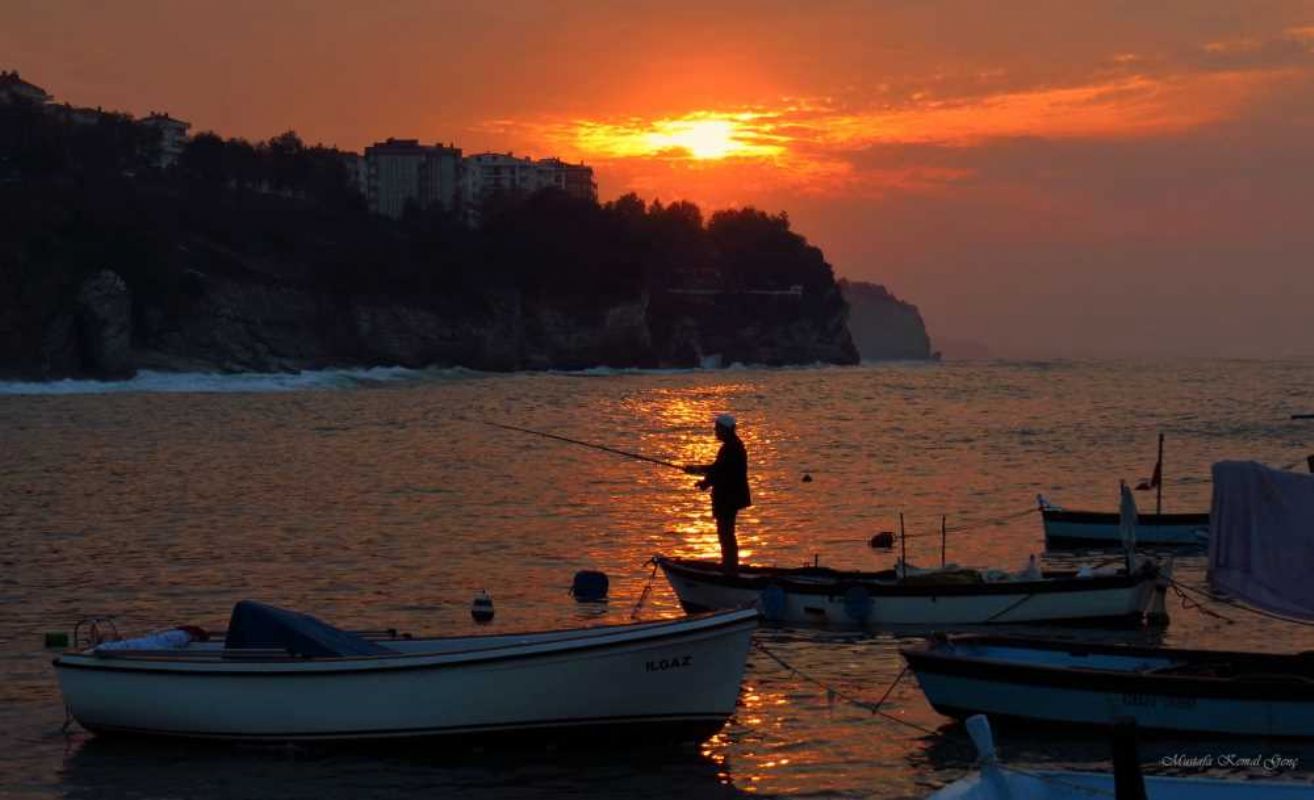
pixel 491 174
pixel 173 137
pixel 575 180
pixel 401 171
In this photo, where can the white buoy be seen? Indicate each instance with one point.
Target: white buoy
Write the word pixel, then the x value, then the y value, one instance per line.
pixel 481 608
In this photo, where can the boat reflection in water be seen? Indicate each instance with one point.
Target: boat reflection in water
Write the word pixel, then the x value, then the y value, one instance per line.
pixel 116 768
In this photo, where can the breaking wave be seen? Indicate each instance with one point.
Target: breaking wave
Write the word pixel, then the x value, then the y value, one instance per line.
pixel 150 381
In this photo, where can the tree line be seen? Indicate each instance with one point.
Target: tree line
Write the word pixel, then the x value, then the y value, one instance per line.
pixel 78 197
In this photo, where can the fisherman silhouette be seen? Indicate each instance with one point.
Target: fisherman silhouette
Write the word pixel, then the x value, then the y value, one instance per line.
pixel 727 477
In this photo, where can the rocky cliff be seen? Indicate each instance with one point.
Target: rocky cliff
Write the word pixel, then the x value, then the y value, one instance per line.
pixel 883 326
pixel 232 325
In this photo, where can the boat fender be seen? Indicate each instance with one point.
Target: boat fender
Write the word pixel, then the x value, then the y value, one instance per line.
pixel 481 608
pixel 857 603
pixel 1158 613
pixel 771 602
pixel 589 586
pixel 882 541
pixel 978 727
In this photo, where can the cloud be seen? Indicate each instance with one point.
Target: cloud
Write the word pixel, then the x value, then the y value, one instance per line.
pixel 822 145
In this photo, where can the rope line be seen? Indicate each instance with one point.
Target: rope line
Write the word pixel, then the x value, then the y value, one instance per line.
pixel 647 590
pixel 972 526
pixel 991 522
pixel 1011 607
pixel 1189 603
pixel 875 709
pixel 1198 595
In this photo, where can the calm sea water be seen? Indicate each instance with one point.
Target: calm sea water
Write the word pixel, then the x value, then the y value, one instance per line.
pixel 372 499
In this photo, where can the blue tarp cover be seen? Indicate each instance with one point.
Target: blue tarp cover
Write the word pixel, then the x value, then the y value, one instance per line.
pixel 1261 537
pixel 256 625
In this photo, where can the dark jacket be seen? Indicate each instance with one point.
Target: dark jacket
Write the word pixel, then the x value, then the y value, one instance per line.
pixel 728 477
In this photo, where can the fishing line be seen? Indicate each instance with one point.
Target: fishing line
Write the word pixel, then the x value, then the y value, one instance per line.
pixel 604 448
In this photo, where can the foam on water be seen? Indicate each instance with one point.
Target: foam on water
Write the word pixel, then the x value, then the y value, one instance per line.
pixel 150 381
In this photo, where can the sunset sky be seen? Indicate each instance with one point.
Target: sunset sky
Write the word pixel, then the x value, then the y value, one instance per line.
pixel 1046 178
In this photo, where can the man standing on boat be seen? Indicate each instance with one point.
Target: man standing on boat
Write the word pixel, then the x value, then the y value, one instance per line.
pixel 727 477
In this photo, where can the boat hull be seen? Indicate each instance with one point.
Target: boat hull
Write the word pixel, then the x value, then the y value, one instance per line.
pixel 662 677
pixel 1095 686
pixel 1099 529
pixel 850 599
pixel 997 783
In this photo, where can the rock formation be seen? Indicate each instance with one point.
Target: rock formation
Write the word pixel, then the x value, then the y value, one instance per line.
pixel 883 326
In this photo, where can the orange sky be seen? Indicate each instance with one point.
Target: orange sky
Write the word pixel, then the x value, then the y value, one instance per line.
pixel 1047 178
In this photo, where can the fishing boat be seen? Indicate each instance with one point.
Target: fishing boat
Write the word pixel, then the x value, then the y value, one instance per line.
pixel 1179 691
pixel 283 676
pixel 997 781
pixel 1074 529
pixel 820 595
pixel 1261 546
pixel 1068 529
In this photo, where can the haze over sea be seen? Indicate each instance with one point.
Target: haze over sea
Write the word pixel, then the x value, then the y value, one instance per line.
pixel 374 498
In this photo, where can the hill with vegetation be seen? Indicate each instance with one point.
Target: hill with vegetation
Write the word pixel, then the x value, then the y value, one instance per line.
pixel 263 257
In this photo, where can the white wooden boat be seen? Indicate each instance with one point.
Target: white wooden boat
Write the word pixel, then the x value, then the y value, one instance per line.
pixel 996 781
pixel 1197 692
pixel 290 677
pixel 1070 529
pixel 821 595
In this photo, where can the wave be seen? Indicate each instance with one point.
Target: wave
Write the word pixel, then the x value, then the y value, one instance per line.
pixel 150 381
pixel 159 382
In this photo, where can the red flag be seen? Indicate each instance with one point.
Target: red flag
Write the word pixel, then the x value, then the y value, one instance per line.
pixel 1145 486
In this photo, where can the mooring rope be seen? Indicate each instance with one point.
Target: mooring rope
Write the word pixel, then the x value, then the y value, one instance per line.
pixel 973 526
pixel 1189 603
pixel 1011 607
pixel 647 590
pixel 987 523
pixel 875 709
pixel 1198 595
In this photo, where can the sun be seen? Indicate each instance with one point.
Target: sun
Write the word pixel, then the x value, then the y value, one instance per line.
pixel 703 138
pixel 698 136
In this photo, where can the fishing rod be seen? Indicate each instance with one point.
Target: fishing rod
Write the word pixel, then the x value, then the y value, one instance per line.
pixel 568 440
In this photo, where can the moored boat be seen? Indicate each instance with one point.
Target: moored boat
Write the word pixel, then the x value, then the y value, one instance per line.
pixel 288 677
pixel 819 595
pixel 1070 683
pixel 997 781
pixel 1068 529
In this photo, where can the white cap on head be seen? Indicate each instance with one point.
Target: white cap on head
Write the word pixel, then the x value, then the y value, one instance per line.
pixel 726 421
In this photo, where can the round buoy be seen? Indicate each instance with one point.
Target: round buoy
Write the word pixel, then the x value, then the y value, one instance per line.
pixel 807 477
pixel 590 586
pixel 481 608
pixel 883 540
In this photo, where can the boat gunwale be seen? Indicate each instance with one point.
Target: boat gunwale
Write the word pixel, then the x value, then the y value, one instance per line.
pixel 1056 582
pixel 615 636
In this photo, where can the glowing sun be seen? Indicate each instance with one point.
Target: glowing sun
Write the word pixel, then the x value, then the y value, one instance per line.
pixel 702 136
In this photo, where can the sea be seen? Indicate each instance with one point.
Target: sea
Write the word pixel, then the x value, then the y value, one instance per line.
pixel 383 498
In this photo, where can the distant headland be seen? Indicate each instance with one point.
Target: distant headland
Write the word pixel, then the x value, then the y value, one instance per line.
pixel 131 244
